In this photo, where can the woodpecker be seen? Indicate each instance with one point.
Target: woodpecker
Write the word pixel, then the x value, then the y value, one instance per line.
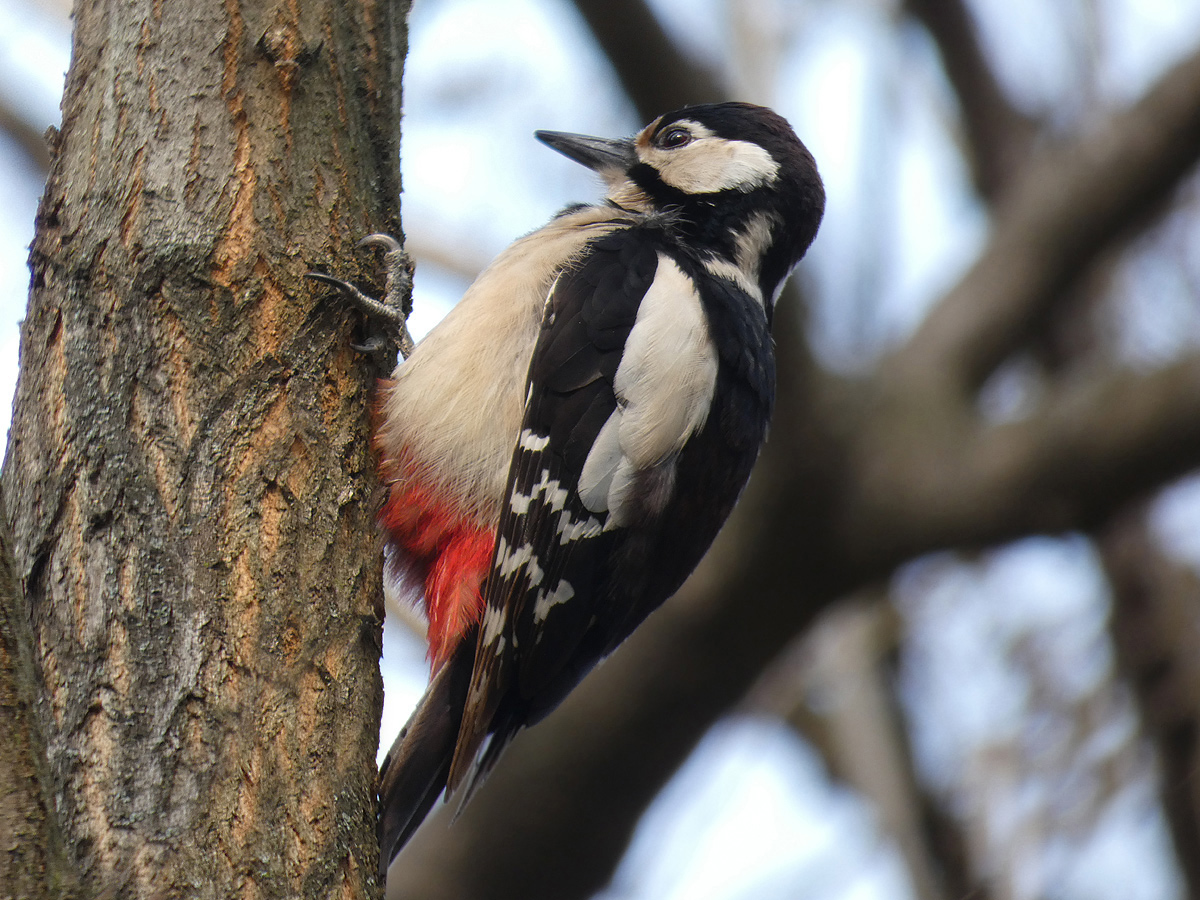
pixel 563 447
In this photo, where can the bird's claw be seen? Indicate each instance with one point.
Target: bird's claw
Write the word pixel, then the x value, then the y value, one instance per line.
pixel 393 309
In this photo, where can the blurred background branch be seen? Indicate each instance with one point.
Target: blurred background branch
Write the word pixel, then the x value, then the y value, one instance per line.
pixel 655 73
pixel 15 124
pixel 997 135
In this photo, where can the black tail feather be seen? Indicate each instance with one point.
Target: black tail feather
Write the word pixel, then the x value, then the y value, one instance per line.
pixel 486 757
pixel 414 771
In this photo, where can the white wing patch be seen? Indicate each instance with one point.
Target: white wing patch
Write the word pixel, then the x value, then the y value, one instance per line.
pixel 493 624
pixel 531 441
pixel 547 600
pixel 664 387
pixel 572 529
pixel 602 461
pixel 552 493
pixel 509 560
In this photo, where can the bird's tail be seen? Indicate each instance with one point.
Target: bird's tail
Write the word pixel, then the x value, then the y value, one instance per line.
pixel 414 771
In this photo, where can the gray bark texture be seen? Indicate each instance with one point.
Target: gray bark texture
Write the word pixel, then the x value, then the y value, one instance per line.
pixel 190 494
pixel 33 861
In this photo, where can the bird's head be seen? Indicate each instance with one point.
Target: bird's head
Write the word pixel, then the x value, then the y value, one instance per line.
pixel 736 181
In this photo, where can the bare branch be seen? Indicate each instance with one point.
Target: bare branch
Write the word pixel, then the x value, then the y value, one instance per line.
pixel 1153 630
pixel 855 722
pixel 997 134
pixel 1071 203
pixel 25 134
pixel 656 75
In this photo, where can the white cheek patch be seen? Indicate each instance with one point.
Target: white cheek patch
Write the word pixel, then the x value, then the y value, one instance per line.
pixel 754 240
pixel 714 164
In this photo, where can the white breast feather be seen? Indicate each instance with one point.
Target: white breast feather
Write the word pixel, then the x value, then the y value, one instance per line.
pixel 455 406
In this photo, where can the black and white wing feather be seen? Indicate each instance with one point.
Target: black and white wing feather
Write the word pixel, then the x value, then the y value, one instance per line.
pixel 622 376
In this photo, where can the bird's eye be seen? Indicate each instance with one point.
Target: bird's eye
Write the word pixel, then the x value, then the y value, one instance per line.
pixel 675 137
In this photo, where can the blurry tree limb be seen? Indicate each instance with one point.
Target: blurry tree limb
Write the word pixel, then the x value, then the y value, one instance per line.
pixel 812 698
pixel 657 76
pixel 925 480
pixel 858 477
pixel 1156 608
pixel 998 135
pixel 832 686
pixel 999 140
pixel 24 134
pixel 1057 216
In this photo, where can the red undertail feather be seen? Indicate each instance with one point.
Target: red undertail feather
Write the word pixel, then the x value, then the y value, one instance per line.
pixel 451 554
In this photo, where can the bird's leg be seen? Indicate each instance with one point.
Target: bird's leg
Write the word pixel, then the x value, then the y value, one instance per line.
pixel 393 309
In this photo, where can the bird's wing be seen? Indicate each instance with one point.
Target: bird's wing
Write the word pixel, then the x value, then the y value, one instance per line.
pixel 622 374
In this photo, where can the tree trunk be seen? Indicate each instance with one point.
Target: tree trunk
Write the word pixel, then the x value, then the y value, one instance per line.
pixel 190 488
pixel 33 863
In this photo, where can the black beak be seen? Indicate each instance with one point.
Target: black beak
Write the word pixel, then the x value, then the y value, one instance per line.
pixel 601 155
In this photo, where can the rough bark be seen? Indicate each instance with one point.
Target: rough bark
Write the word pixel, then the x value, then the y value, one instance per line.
pixel 33 861
pixel 190 492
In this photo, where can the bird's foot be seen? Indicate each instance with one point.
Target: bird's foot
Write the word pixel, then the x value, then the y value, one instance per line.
pixel 392 310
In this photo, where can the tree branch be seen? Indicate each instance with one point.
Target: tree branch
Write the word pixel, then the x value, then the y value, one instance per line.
pixel 1153 630
pixel 997 134
pixel 856 723
pixel 928 482
pixel 1052 223
pixel 655 74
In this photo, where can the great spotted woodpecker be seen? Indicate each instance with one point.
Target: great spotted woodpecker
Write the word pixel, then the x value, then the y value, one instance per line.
pixel 562 449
